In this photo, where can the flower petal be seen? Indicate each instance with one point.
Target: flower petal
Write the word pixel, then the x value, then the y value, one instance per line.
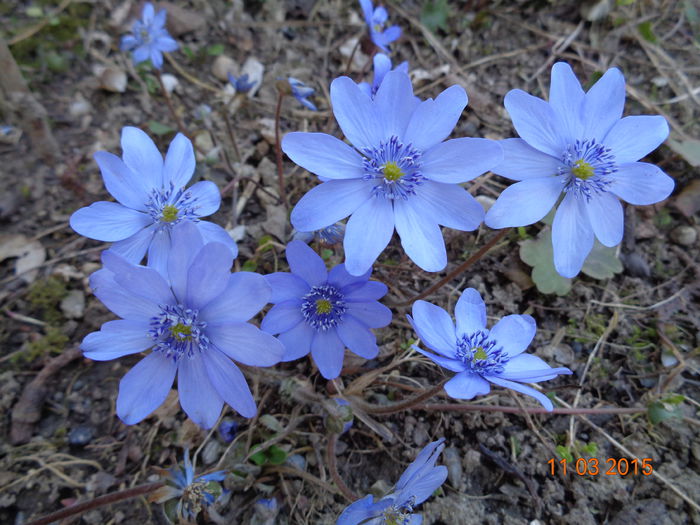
pixel 179 162
pixel 368 291
pixel 138 280
pixel 116 339
pixel 367 233
pixel 607 218
pixel 466 385
pixel 460 160
pixel 246 293
pixel 186 242
pixel 455 365
pixel 566 98
pixel 323 155
pixel 297 342
pixel 450 205
pixel 631 138
pixel 356 115
pixel 536 122
pixel 142 156
pixel 530 368
pixel 159 251
pixel 328 351
pixel 524 202
pixel 214 233
pixel 145 387
pixel 246 343
pixel 329 202
pixel 120 301
pixel 603 105
pixel 206 197
pixel 470 312
pixel 135 247
pixel 393 102
pixel 521 161
pixel 121 182
pixel 641 183
pixel 357 337
pixel 208 275
pixel 198 397
pixel 286 286
pixel 433 120
pixel 528 391
pixel 371 313
pixel 108 221
pixel 229 382
pixel 435 327
pixel 340 278
pixel 421 237
pixel 306 263
pixel 572 235
pixel 514 333
pixel 282 317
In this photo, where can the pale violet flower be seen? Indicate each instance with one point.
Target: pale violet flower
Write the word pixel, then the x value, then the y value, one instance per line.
pixel 382 65
pixel 577 145
pixel 149 38
pixel 481 356
pixel 302 92
pixel 376 19
pixel 332 234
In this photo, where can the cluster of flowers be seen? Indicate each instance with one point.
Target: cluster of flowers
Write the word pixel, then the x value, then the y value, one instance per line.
pixel 398 172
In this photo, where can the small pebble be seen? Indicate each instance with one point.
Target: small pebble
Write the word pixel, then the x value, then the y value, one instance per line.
pixel 211 452
pixel 80 436
pixel 684 235
pixel 453 461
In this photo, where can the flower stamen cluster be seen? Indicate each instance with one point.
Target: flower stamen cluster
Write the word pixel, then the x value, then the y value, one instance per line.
pixel 177 332
pixel 480 353
pixel 323 307
pixel 587 168
pixel 395 167
pixel 168 207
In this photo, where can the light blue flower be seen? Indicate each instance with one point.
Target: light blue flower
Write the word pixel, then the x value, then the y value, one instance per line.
pixel 150 39
pixel 382 65
pixel 578 144
pixel 185 495
pixel 192 315
pixel 241 84
pixel 151 199
pixel 332 234
pixel 399 174
pixel 478 355
pixel 324 312
pixel 302 92
pixel 416 484
pixel 376 21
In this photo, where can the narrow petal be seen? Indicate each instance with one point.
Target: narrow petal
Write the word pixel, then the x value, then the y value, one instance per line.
pixel 357 337
pixel 367 233
pixel 145 387
pixel 356 115
pixel 631 138
pixel 566 98
pixel 306 263
pixel 246 343
pixel 207 197
pixel 135 247
pixel 421 237
pixel 286 286
pixel 528 391
pixel 603 105
pixel 116 339
pixel 297 342
pixel 329 202
pixel 461 160
pixel 455 365
pixel 514 333
pixel 524 202
pixel 339 277
pixel 641 183
pixel 536 122
pixel 466 385
pixel 140 281
pixel 167 44
pixel 450 205
pixel 434 327
pixel 572 236
pixel 424 487
pixel 142 156
pixel 214 233
pixel 246 293
pixel 121 182
pixel 159 252
pixel 328 351
pixel 530 368
pixel 179 162
pixel 187 241
pixel 323 154
pixel 470 312
pixel 108 221
pixel 433 120
pixel 282 317
pixel 371 313
pixel 369 291
pixel 361 510
pixel 521 161
pixel 198 397
pixel 120 301
pixel 208 275
pixel 607 218
pixel 230 383
pixel 393 100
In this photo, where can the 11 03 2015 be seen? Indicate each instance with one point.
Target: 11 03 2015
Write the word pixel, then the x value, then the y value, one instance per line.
pixel 608 467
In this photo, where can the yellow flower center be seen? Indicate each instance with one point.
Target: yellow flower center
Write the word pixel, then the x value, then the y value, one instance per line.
pixel 169 213
pixel 479 355
pixel 323 306
pixel 181 332
pixel 392 171
pixel 582 169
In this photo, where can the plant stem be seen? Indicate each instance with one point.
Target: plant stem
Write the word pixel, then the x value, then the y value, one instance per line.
pixel 330 453
pixel 112 497
pixel 402 405
pixel 278 150
pixel 431 407
pixel 171 108
pixel 462 267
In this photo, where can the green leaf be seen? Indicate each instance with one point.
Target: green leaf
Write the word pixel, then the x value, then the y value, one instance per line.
pixel 658 412
pixel 249 266
pixel 187 50
pixel 435 14
pixel 326 254
pixel 689 149
pixel 564 453
pixel 34 12
pixel 602 262
pixel 591 449
pixel 158 128
pixel 647 32
pixel 539 254
pixel 270 456
pixel 215 50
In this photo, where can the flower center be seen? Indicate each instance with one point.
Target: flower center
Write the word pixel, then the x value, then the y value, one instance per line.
pixel 587 166
pixel 168 207
pixel 400 515
pixel 480 353
pixel 394 167
pixel 169 213
pixel 177 332
pixel 323 307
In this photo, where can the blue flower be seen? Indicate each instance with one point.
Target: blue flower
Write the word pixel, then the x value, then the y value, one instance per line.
pixel 151 199
pixel 192 315
pixel 241 84
pixel 323 312
pixel 376 21
pixel 150 39
pixel 478 355
pixel 332 234
pixel 416 484
pixel 382 65
pixel 578 145
pixel 191 493
pixel 302 92
pixel 400 172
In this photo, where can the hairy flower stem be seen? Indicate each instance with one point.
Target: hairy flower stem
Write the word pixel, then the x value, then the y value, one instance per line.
pixel 112 497
pixel 171 108
pixel 403 405
pixel 333 468
pixel 461 268
pixel 431 407
pixel 278 149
